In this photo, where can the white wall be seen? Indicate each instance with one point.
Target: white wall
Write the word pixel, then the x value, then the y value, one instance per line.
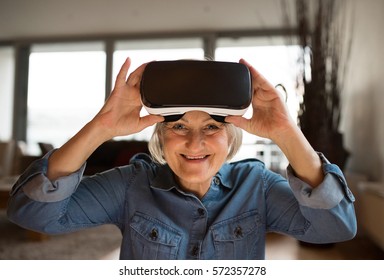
pixel 41 18
pixel 363 121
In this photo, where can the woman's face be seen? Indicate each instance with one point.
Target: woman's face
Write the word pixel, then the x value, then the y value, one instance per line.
pixel 195 147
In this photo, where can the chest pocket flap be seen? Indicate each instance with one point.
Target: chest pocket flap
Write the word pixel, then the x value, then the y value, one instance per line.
pixel 237 238
pixel 153 239
pixel 236 228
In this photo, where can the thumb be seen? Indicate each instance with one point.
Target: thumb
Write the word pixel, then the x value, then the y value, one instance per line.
pixel 238 121
pixel 150 120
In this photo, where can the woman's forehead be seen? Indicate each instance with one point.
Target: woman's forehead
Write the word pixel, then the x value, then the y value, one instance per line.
pixel 196 116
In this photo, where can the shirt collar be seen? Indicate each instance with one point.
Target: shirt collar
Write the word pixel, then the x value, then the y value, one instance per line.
pixel 224 175
pixel 164 178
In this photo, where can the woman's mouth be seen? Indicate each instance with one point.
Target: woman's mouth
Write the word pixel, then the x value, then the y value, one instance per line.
pixel 200 157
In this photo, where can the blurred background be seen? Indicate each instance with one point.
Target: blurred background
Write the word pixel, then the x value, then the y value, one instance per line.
pixel 59 60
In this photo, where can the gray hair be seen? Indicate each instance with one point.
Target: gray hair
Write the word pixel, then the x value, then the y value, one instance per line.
pixel 156 148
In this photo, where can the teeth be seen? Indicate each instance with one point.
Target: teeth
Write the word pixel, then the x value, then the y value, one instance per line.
pixel 190 157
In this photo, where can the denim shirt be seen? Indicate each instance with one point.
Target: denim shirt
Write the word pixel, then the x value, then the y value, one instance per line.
pixel 159 220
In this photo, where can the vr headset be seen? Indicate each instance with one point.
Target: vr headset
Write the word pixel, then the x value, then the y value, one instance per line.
pixel 172 88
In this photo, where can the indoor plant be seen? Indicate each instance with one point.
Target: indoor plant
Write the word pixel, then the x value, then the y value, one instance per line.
pixel 324 49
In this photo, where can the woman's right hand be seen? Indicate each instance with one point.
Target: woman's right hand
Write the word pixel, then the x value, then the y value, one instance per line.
pixel 120 114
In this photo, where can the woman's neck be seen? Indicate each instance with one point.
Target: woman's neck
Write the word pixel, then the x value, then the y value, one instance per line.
pixel 198 189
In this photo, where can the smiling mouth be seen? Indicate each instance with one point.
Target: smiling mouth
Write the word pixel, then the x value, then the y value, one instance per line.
pixel 195 157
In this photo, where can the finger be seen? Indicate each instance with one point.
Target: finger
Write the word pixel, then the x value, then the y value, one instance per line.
pixel 263 89
pixel 258 80
pixel 122 75
pixel 135 77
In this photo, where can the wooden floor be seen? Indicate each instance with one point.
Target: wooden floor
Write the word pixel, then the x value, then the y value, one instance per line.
pixel 286 248
pixel 281 247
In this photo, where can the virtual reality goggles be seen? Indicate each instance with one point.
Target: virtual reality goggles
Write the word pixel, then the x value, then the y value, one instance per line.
pixel 172 88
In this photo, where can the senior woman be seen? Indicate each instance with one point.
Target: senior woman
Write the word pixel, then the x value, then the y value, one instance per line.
pixel 187 201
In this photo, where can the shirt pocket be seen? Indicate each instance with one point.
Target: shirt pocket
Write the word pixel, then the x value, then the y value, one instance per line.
pixel 237 237
pixel 153 239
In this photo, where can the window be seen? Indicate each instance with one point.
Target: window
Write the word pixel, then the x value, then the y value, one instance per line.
pixel 7 68
pixel 66 89
pixel 141 51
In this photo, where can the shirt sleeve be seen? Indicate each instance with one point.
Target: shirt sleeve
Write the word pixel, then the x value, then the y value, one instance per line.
pixel 324 214
pixel 35 185
pixel 69 203
pixel 328 194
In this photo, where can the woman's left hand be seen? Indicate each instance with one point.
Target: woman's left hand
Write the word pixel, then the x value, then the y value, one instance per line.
pixel 270 117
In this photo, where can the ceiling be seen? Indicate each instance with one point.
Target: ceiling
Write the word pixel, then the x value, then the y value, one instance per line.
pixel 29 19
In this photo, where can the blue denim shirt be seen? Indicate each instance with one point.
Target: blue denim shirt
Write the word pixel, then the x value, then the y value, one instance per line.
pixel 159 220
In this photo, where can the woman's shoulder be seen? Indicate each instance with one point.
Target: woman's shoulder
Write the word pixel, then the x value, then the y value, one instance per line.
pixel 142 158
pixel 244 166
pixel 143 163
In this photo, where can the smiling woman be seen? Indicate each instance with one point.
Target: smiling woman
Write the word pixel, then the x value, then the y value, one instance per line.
pixel 196 205
pixel 195 148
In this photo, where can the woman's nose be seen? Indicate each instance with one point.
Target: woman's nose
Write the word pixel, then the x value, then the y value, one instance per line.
pixel 195 140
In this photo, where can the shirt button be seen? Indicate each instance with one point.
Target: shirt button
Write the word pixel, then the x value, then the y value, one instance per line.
pixel 154 234
pixel 238 231
pixel 216 181
pixel 349 192
pixel 201 211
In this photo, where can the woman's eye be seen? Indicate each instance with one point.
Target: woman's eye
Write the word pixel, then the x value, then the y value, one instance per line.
pixel 178 127
pixel 212 127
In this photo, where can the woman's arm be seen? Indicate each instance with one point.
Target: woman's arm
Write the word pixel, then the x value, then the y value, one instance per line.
pixel 303 159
